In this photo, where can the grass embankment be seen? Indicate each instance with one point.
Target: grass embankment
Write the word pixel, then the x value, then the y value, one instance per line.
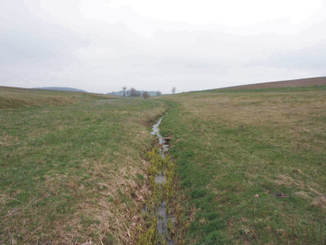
pixel 233 145
pixel 73 173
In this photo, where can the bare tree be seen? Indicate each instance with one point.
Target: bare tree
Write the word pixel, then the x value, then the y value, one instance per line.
pixel 146 95
pixel 173 90
pixel 134 93
pixel 124 91
pixel 158 93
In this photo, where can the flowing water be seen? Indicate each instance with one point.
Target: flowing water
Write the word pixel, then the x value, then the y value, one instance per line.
pixel 161 210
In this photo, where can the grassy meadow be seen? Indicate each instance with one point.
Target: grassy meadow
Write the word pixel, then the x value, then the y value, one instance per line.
pixel 252 164
pixel 72 166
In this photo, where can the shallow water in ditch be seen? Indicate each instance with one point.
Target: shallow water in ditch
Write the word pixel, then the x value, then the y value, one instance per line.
pixel 161 210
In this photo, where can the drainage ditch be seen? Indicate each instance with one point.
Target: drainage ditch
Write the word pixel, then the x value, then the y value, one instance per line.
pixel 161 212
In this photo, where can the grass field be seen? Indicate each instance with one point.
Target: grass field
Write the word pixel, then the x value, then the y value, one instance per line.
pixel 252 164
pixel 72 166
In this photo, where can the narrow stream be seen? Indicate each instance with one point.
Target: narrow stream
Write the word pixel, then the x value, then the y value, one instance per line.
pixel 161 211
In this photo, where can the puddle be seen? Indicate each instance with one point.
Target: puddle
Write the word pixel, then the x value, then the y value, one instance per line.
pixel 160 178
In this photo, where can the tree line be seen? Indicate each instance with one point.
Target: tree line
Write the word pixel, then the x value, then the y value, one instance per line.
pixel 135 93
pixel 132 92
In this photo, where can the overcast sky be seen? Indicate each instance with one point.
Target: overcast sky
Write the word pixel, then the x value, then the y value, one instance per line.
pixel 102 45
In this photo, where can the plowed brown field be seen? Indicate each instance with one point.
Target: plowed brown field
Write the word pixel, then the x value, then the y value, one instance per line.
pixel 282 84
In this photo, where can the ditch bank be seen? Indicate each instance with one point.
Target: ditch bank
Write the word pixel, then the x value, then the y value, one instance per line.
pixel 162 212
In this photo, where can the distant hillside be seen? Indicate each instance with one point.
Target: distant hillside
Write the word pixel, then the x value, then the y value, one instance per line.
pixel 120 93
pixel 62 89
pixel 12 98
pixel 282 84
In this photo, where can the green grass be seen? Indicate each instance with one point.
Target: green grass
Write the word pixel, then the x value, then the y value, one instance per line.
pixel 72 165
pixel 71 172
pixel 232 145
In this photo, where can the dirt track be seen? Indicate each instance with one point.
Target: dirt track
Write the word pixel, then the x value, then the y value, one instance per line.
pixel 281 84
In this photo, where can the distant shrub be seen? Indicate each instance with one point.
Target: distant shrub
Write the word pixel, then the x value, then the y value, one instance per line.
pixel 133 93
pixel 146 95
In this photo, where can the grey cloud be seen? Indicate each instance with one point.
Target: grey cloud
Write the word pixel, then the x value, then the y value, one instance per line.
pixel 23 37
pixel 310 58
pixel 56 45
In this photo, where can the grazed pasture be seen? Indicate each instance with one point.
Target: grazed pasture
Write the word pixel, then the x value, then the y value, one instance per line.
pixel 72 166
pixel 252 164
